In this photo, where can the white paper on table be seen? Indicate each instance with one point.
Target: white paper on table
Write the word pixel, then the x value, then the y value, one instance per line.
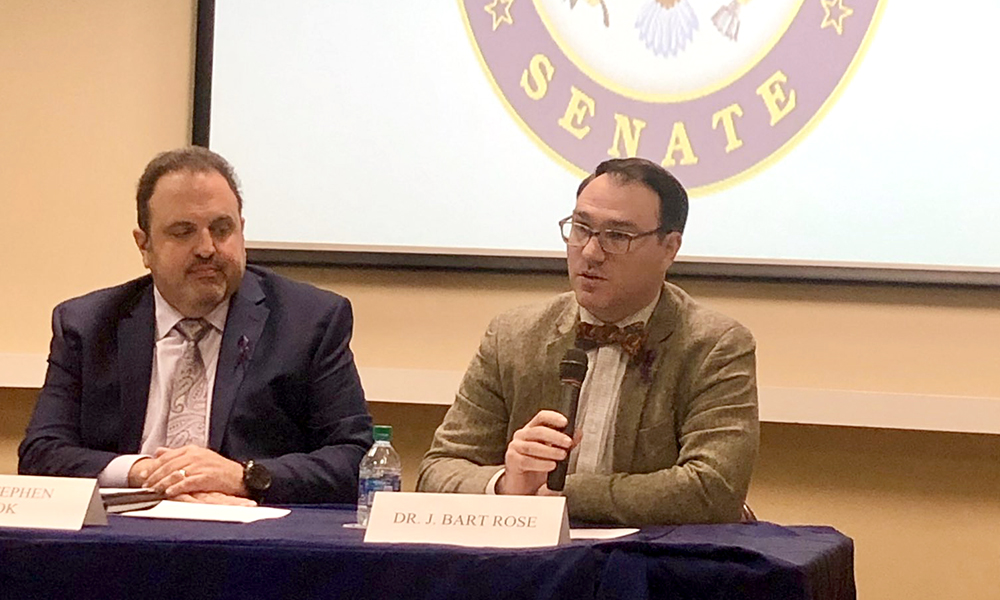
pixel 170 509
pixel 601 534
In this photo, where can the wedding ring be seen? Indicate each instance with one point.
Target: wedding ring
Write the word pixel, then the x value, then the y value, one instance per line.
pixel 183 473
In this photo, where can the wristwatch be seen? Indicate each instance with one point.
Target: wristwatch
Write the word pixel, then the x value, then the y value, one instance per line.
pixel 256 478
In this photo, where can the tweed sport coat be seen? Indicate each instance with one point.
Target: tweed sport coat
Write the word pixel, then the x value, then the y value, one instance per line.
pixel 686 431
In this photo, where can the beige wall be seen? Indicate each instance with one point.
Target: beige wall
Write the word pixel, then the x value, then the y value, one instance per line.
pixel 93 89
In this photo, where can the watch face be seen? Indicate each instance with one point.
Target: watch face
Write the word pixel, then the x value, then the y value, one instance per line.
pixel 256 477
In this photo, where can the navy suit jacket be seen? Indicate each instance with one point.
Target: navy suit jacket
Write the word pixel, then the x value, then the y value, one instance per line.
pixel 287 393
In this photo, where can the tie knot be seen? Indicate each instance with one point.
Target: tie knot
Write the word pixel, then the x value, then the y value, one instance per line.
pixel 630 338
pixel 193 330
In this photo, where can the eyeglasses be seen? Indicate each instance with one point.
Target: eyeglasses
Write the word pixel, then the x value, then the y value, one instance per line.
pixel 610 240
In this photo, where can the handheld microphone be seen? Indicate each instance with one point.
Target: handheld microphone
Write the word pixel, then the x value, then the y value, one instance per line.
pixel 572 371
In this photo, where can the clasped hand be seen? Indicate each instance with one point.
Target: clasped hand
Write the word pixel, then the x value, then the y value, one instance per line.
pixel 191 474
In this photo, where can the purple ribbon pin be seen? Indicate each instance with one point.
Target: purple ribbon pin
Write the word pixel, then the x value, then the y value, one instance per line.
pixel 244 345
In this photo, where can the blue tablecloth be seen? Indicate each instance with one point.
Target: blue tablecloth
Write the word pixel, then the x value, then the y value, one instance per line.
pixel 309 554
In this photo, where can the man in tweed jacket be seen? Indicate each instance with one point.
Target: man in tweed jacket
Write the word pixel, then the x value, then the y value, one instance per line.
pixel 667 429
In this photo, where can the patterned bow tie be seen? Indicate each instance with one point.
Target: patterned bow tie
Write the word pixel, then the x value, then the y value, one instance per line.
pixel 630 338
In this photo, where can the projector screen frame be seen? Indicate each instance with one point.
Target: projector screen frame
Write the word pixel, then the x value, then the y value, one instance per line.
pixel 437 259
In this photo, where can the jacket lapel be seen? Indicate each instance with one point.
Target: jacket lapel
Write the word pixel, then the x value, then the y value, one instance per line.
pixel 244 324
pixel 562 340
pixel 136 337
pixel 636 386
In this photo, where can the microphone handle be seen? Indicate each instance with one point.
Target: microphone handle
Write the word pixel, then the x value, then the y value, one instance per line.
pixel 570 400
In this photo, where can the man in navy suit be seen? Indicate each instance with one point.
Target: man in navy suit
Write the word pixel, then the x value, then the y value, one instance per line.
pixel 262 404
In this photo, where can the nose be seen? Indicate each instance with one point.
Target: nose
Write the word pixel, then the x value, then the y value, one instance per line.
pixel 205 247
pixel 592 250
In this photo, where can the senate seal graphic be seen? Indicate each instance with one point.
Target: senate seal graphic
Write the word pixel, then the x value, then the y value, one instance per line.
pixel 712 89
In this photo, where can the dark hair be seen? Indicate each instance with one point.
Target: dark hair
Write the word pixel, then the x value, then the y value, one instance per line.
pixel 192 158
pixel 673 198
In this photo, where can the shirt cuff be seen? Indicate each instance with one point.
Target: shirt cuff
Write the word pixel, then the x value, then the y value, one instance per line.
pixel 116 473
pixel 491 485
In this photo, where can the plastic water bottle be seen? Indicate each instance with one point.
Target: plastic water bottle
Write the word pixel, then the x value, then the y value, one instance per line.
pixel 380 470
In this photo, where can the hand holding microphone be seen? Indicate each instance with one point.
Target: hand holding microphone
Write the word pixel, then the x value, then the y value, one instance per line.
pixel 539 448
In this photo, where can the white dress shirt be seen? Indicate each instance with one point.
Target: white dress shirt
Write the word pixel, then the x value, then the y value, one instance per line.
pixel 598 408
pixel 169 346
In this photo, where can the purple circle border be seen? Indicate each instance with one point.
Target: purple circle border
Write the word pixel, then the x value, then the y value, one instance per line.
pixel 815 61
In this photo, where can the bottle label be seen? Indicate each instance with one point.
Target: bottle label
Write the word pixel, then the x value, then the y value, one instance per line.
pixel 368 487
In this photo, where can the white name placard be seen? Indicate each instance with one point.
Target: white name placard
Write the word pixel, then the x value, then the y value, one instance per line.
pixel 50 502
pixel 468 520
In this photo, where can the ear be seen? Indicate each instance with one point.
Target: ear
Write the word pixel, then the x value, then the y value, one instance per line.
pixel 243 228
pixel 142 242
pixel 672 244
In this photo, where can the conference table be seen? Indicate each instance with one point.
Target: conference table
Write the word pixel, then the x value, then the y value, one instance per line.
pixel 310 554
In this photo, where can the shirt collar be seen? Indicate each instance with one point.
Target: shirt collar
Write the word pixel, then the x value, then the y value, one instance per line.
pixel 167 316
pixel 639 317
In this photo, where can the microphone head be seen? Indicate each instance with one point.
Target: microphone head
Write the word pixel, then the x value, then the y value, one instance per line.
pixel 573 367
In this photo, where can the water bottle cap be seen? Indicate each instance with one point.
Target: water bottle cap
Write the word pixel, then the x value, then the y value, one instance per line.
pixel 383 433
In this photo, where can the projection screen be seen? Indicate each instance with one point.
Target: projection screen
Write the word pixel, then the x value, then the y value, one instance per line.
pixel 819 139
